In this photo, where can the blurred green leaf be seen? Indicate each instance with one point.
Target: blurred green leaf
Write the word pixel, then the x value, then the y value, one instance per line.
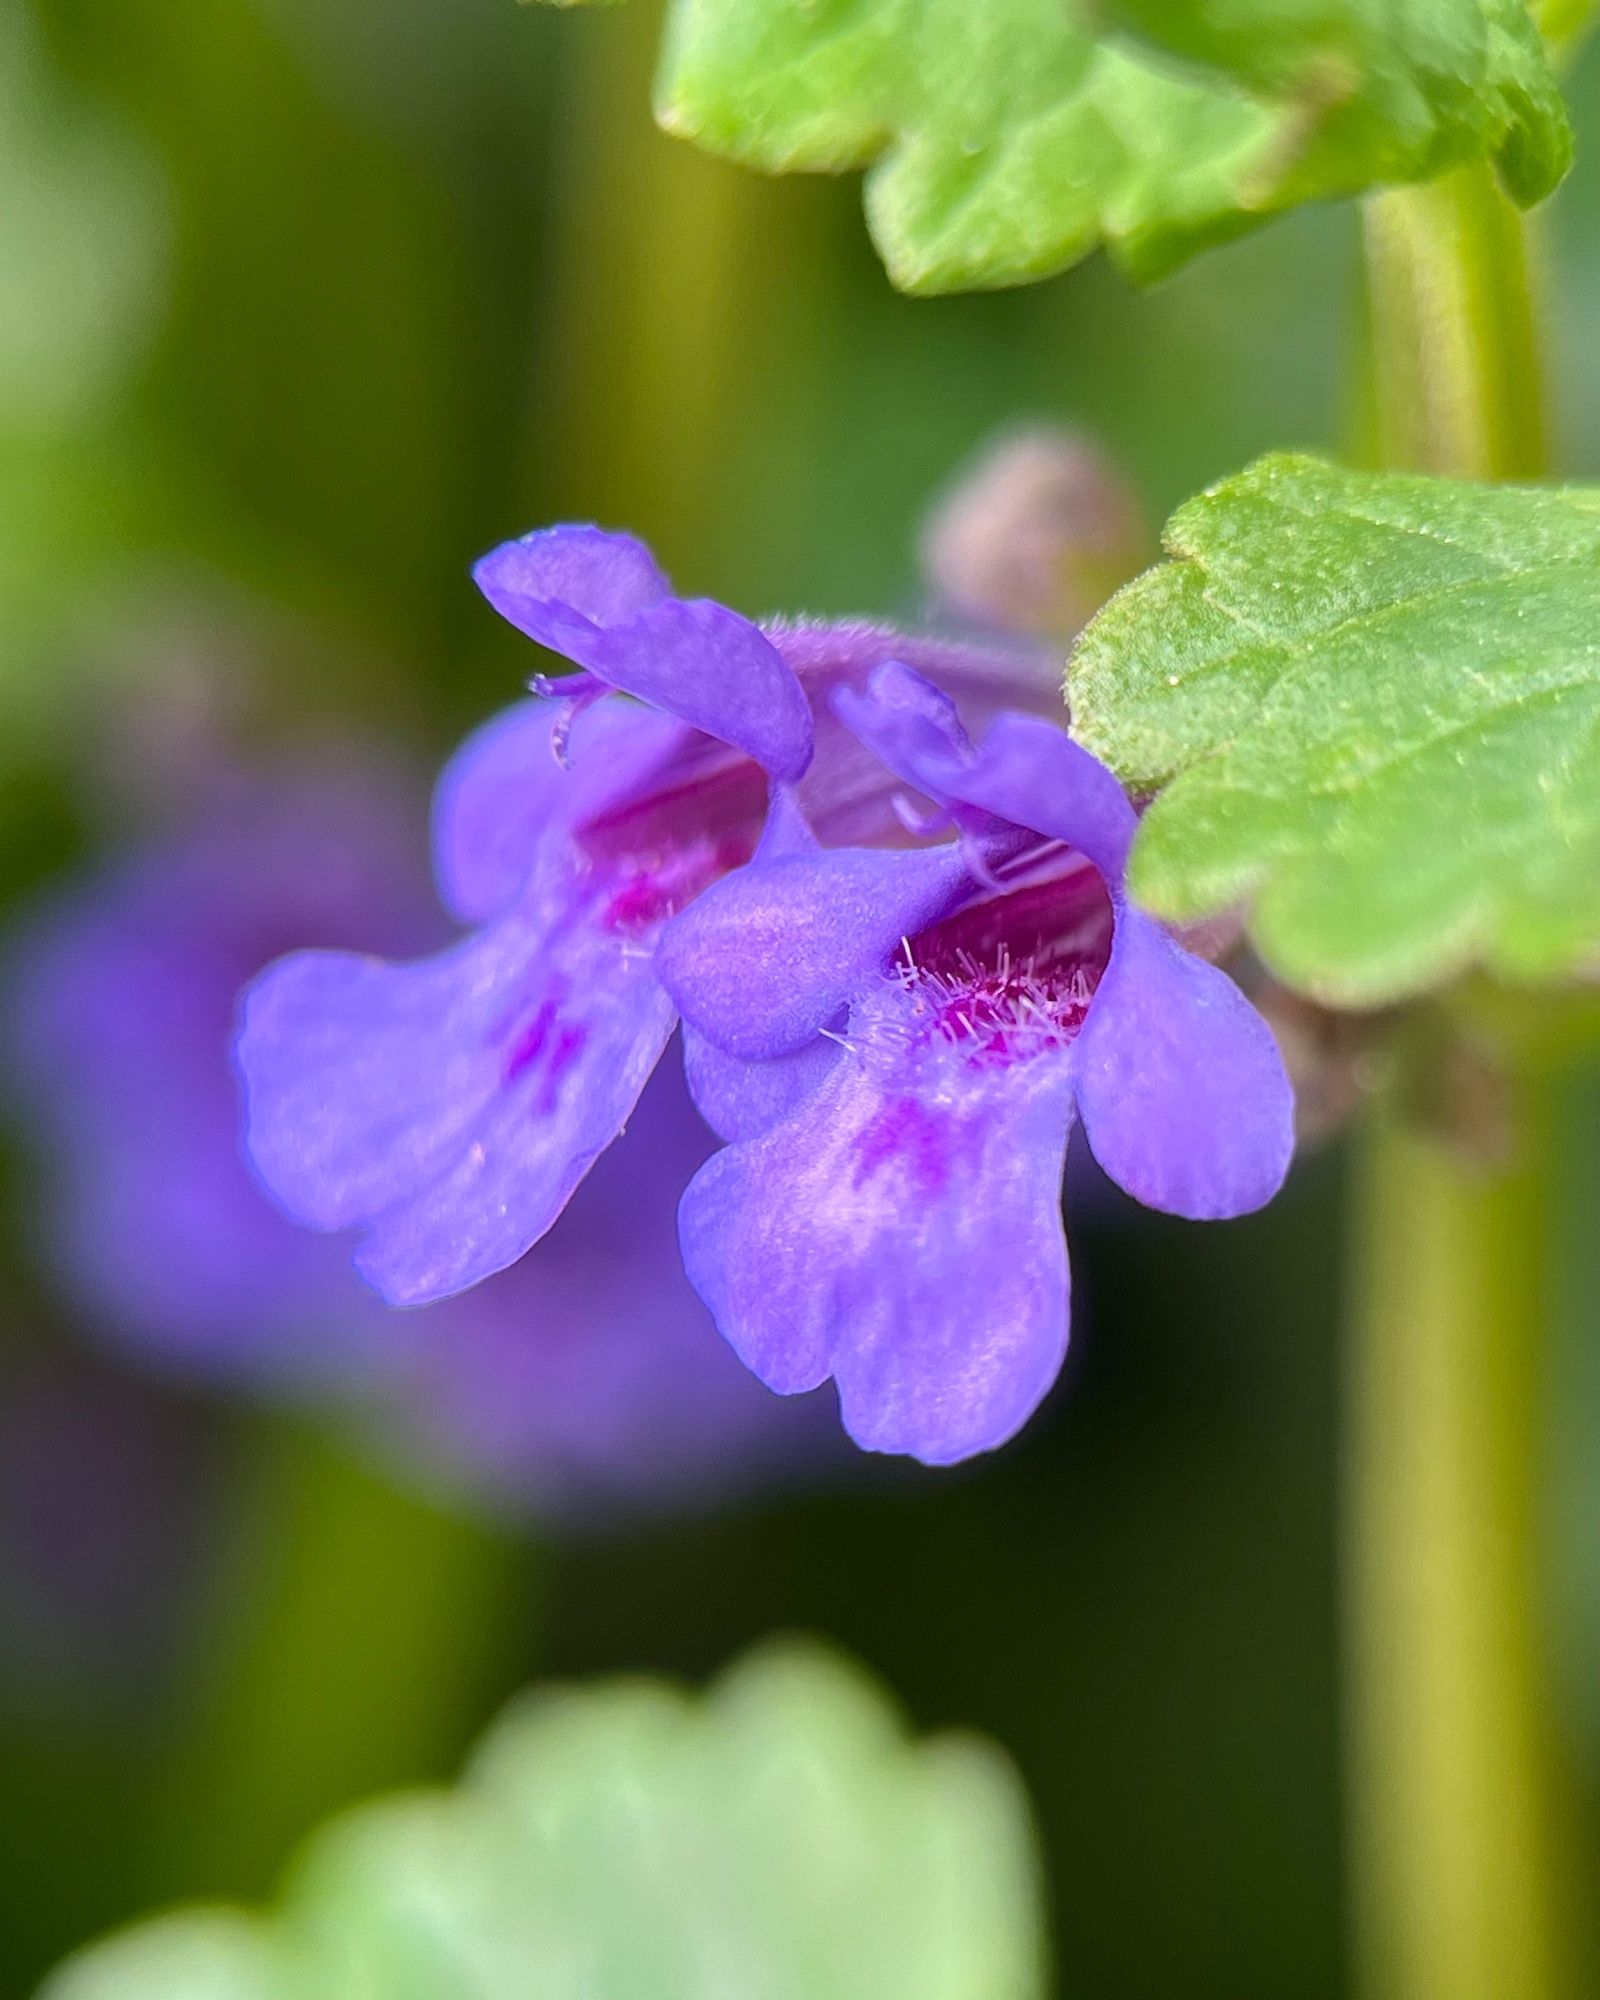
pixel 1381 93
pixel 193 1955
pixel 1006 140
pixel 1374 702
pixel 781 1840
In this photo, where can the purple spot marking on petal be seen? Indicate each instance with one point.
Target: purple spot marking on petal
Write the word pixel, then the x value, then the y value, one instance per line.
pixel 569 1046
pixel 638 905
pixel 664 845
pixel 907 1131
pixel 530 1046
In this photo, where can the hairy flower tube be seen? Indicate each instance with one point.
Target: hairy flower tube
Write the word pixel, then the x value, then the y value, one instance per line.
pixel 448 1108
pixel 897 1044
pixel 587 1381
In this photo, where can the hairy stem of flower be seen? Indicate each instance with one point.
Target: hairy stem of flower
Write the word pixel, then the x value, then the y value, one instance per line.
pixel 1457 1823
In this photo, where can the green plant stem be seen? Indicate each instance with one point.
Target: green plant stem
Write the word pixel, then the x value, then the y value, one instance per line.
pixel 1456 1817
pixel 361 1635
pixel 1458 1831
pixel 669 290
pixel 1457 374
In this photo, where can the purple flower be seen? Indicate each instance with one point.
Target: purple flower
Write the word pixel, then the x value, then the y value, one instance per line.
pixel 897 1043
pixel 587 1379
pixel 895 1034
pixel 448 1109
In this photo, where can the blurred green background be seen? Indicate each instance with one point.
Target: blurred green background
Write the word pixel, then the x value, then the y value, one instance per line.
pixel 303 303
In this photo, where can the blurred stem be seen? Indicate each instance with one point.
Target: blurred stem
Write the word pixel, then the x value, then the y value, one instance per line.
pixel 1457 369
pixel 1458 1830
pixel 1457 1822
pixel 370 1635
pixel 672 297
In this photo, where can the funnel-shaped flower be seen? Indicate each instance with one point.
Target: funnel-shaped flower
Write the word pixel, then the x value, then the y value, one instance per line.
pixel 897 1042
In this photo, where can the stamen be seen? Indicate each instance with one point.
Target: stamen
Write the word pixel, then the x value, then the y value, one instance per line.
pixel 974 853
pixel 575 692
pixel 1000 1010
pixel 919 823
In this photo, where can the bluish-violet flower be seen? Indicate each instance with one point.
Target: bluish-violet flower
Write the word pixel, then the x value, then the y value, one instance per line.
pixel 448 1109
pixel 588 1379
pixel 898 1042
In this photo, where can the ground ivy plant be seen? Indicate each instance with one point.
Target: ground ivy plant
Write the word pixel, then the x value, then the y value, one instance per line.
pixel 1360 714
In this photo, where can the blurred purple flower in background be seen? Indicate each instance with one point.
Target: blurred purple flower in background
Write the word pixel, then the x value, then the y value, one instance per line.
pixel 121 996
pixel 589 1377
pixel 896 1224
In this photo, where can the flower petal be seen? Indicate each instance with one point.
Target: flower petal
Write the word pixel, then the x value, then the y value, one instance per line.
pixel 449 1107
pixel 508 786
pixel 589 1378
pixel 737 1099
pixel 982 677
pixel 774 951
pixel 1026 771
pixel 601 601
pixel 712 669
pixel 911 725
pixel 901 1233
pixel 848 790
pixel 561 584
pixel 1031 773
pixel 1180 1084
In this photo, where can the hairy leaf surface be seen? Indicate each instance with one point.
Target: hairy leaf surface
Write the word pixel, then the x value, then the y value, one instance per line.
pixel 1371 705
pixel 1004 141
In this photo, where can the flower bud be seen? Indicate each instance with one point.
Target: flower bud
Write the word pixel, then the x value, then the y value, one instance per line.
pixel 1035 536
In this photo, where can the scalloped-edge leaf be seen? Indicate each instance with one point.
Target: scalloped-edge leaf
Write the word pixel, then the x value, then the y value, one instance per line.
pixel 782 1837
pixel 1370 705
pixel 1005 140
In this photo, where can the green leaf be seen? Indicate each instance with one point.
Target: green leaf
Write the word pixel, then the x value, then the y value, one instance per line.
pixel 1384 93
pixel 197 1954
pixel 1005 140
pixel 1373 703
pixel 782 1838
